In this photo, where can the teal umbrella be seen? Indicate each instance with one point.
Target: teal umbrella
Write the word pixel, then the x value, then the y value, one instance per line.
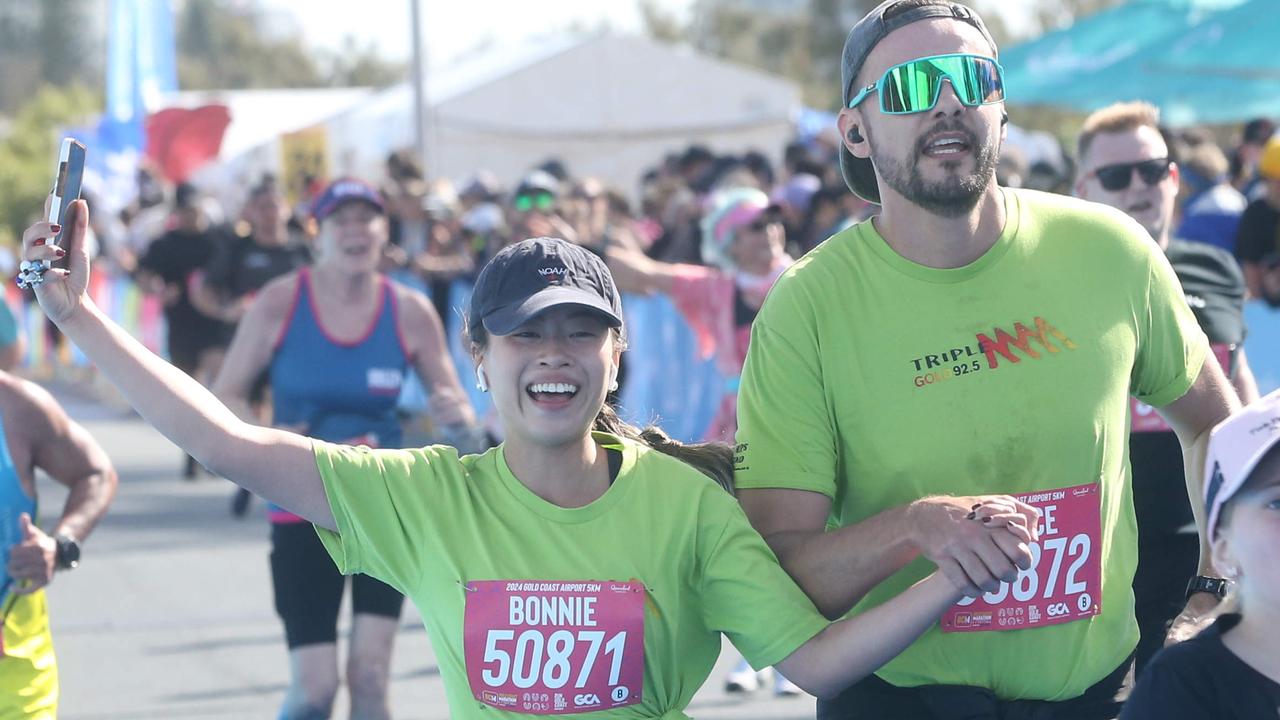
pixel 1239 42
pixel 1075 60
pixel 1222 68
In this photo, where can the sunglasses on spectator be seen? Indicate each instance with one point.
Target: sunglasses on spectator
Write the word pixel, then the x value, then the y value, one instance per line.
pixel 914 86
pixel 529 201
pixel 1115 178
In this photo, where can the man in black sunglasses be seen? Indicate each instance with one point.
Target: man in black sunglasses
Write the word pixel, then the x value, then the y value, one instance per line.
pixel 1125 163
pixel 949 383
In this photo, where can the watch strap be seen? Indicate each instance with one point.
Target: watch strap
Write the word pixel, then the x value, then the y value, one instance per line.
pixel 1204 584
pixel 68 552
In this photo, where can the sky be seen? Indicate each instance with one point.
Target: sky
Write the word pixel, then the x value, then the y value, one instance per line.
pixel 452 27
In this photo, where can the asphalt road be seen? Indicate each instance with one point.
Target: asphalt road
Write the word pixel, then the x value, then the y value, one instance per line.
pixel 170 614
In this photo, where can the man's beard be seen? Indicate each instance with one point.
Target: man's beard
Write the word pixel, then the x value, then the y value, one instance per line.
pixel 951 197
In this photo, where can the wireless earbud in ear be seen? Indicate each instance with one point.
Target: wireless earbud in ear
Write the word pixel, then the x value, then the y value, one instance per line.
pixel 855 136
pixel 1004 118
pixel 482 382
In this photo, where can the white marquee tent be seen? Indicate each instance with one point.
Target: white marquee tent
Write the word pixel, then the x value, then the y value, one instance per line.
pixel 608 106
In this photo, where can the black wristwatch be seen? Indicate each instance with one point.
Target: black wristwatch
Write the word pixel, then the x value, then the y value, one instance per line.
pixel 1214 586
pixel 68 555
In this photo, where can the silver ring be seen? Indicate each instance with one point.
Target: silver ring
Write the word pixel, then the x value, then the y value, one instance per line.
pixel 31 273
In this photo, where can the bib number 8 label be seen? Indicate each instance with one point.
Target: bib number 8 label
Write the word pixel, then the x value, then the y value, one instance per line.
pixel 532 659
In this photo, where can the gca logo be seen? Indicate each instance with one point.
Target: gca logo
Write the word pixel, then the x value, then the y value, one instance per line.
pixel 1058 609
pixel 586 700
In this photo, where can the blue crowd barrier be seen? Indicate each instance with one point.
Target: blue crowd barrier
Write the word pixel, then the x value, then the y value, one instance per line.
pixel 665 382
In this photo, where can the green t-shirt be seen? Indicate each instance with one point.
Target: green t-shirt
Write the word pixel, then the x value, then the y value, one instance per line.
pixel 428 523
pixel 877 381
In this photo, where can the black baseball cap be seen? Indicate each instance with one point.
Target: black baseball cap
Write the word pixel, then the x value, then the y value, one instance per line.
pixel 858 173
pixel 535 275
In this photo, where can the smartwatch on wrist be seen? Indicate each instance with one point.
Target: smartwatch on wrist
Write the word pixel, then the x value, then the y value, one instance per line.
pixel 68 555
pixel 1202 584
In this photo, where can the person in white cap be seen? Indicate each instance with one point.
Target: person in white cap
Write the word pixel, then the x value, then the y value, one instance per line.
pixel 1231 669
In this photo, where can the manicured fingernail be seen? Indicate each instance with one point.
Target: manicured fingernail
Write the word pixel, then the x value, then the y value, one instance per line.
pixel 55 227
pixel 59 252
pixel 39 241
pixel 986 519
pixel 976 506
pixel 971 516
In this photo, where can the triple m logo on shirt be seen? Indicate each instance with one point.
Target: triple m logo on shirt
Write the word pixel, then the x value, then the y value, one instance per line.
pixel 991 351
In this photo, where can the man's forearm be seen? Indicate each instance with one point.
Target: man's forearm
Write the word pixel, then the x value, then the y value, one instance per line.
pixel 837 568
pixel 1193 460
pixel 86 504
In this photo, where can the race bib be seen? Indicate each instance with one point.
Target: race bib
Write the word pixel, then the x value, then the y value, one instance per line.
pixel 1144 419
pixel 1064 582
pixel 554 647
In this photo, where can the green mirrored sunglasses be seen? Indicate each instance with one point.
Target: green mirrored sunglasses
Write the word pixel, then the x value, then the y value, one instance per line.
pixel 914 86
pixel 540 200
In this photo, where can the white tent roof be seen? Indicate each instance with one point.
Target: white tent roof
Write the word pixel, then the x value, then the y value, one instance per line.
pixel 608 105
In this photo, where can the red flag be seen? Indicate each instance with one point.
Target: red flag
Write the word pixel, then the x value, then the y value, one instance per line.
pixel 181 141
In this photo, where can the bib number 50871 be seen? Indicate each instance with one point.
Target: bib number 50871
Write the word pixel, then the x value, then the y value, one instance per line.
pixel 532 659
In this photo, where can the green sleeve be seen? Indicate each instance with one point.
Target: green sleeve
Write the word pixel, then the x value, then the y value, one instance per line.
pixel 1171 346
pixel 786 438
pixel 380 502
pixel 746 594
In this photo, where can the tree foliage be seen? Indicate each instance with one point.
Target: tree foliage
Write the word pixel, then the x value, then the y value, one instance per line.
pixel 29 148
pixel 803 40
pixel 42 42
pixel 221 45
pixel 53 51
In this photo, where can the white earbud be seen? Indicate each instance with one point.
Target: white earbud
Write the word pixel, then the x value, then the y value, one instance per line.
pixel 482 382
pixel 613 386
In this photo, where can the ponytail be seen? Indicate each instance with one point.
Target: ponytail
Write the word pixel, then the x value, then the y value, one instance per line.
pixel 713 459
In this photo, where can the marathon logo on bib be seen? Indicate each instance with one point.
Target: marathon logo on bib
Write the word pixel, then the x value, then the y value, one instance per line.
pixel 1144 419
pixel 384 381
pixel 552 647
pixel 1064 582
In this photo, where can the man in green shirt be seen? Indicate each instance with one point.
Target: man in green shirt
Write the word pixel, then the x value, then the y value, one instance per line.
pixel 968 344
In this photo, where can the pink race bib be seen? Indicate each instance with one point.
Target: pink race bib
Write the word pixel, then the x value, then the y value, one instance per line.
pixel 1064 582
pixel 550 647
pixel 1144 419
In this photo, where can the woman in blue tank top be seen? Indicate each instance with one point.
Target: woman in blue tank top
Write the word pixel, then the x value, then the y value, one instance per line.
pixel 337 341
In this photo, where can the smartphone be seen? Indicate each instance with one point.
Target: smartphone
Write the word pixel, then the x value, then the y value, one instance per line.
pixel 66 183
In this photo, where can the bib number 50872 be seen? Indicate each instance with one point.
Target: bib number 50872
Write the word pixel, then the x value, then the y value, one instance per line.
pixel 1065 578
pixel 532 659
pixel 1027 585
